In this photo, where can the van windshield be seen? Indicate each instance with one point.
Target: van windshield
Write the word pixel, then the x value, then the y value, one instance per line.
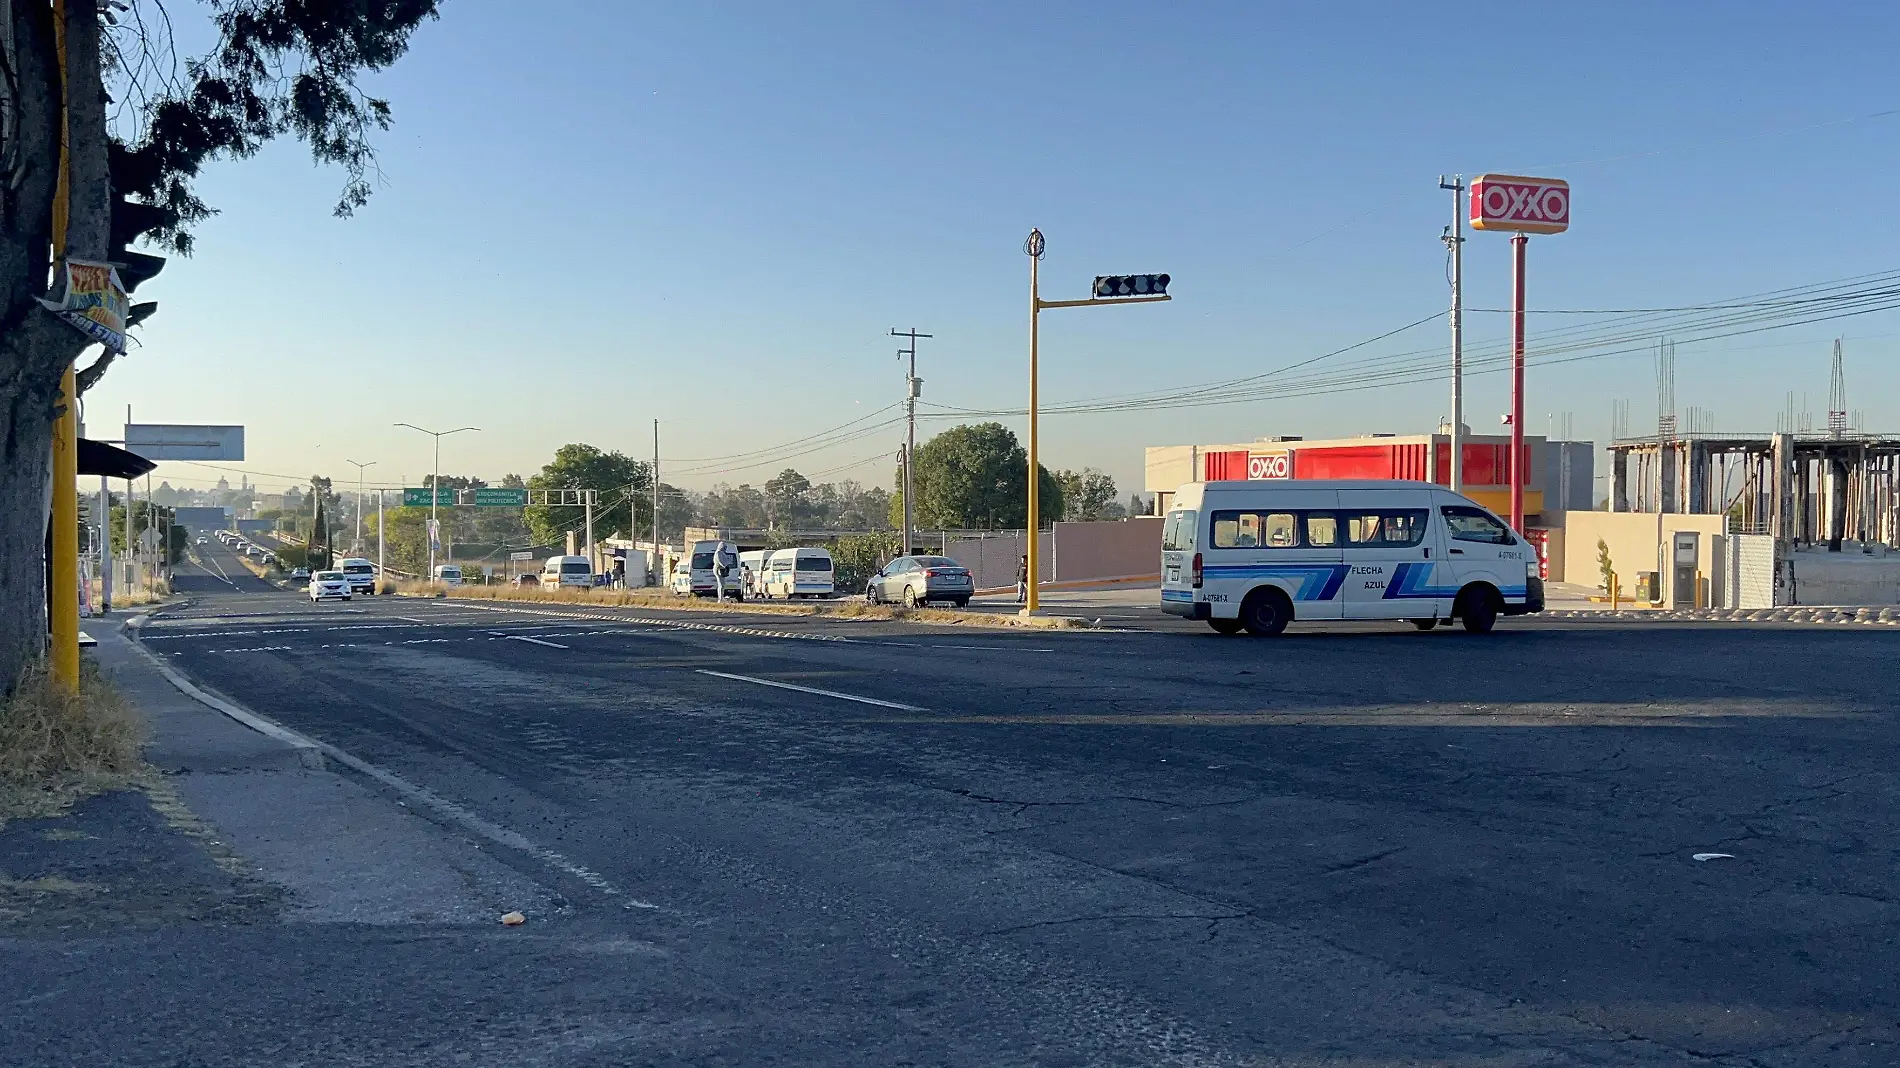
pixel 1177 534
pixel 358 569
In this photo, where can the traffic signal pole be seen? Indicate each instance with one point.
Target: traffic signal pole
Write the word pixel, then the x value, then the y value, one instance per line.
pixel 63 574
pixel 1033 247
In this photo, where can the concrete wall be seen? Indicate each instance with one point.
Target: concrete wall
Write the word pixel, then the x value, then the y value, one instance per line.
pixel 1070 552
pixel 1634 539
pixel 1848 578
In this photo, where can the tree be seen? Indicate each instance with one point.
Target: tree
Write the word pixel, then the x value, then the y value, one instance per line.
pixel 612 475
pixel 788 500
pixel 278 67
pixel 975 476
pixel 1087 495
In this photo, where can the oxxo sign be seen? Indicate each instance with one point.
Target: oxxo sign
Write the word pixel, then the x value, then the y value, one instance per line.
pixel 1526 205
pixel 1270 465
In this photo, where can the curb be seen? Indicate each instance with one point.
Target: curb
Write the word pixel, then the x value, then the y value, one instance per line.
pixel 309 753
pixel 1862 615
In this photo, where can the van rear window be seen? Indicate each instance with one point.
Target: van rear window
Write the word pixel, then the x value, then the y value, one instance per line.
pixel 575 567
pixel 702 561
pixel 814 563
pixel 1177 533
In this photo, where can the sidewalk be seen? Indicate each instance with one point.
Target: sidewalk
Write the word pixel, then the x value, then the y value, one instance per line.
pixel 319 845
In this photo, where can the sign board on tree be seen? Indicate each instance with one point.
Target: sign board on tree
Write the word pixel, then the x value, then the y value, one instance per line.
pixel 1270 465
pixel 418 497
pixel 93 300
pixel 497 497
pixel 173 441
pixel 1525 205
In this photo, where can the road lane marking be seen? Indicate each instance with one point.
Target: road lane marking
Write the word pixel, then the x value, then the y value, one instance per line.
pixel 969 648
pixel 537 641
pixel 813 689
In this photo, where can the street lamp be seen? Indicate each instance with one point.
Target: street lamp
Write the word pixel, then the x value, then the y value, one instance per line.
pixel 1107 289
pixel 358 543
pixel 435 488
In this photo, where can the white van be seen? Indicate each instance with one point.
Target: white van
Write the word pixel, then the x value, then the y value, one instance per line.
pixel 798 573
pixel 1256 555
pixel 701 576
pixel 448 574
pixel 560 571
pixel 360 573
pixel 752 571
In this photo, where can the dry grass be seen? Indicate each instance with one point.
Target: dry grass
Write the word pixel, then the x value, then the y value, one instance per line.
pixel 664 600
pixel 56 746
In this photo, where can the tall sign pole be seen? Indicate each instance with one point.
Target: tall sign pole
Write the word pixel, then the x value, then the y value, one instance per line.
pixel 1455 238
pixel 1520 206
pixel 1518 243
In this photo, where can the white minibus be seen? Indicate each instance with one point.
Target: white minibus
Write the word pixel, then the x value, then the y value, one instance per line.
pixel 800 572
pixel 558 571
pixel 702 578
pixel 752 571
pixel 1259 554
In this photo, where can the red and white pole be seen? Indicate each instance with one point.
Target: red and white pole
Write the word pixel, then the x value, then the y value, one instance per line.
pixel 1518 241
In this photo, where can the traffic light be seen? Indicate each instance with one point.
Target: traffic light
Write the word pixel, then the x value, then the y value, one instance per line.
pixel 132 174
pixel 1131 285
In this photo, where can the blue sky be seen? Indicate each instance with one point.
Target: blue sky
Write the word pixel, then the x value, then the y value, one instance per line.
pixel 713 214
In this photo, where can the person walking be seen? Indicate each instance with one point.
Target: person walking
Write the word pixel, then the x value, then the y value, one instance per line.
pixel 1022 580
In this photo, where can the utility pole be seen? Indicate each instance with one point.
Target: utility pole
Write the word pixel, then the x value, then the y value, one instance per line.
pixel 357 544
pixel 912 387
pixel 1454 238
pixel 380 524
pixel 655 563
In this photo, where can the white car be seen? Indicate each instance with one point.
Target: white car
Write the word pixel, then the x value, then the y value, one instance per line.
pixel 329 584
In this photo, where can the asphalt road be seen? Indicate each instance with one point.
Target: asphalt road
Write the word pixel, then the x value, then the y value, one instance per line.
pixel 1355 845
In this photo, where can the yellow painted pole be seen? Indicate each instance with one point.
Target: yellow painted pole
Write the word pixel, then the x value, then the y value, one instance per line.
pixel 63 598
pixel 1031 601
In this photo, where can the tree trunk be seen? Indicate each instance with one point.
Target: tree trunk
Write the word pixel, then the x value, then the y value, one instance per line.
pixel 35 346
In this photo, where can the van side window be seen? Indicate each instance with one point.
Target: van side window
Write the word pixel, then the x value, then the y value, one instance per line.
pixel 1386 527
pixel 1322 529
pixel 1255 530
pixel 1475 524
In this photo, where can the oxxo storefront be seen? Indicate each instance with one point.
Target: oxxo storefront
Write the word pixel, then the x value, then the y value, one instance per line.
pixel 1558 474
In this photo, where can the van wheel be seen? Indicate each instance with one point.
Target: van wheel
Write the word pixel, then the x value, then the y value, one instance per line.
pixel 1266 611
pixel 1224 626
pixel 1424 624
pixel 1478 609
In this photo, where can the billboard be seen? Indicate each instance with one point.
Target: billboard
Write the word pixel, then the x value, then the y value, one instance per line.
pixel 1270 464
pixel 1524 205
pixel 172 441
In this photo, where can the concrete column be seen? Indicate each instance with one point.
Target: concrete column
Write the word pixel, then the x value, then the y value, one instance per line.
pixel 1666 477
pixel 1697 455
pixel 1781 488
pixel 1619 480
pixel 1836 502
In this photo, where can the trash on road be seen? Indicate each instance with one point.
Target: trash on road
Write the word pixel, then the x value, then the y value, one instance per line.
pixel 1714 856
pixel 513 919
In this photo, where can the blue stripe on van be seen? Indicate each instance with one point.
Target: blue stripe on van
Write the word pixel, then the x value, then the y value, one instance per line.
pixel 1413 580
pixel 1177 595
pixel 1312 582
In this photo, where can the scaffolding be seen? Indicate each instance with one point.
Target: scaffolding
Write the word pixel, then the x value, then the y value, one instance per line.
pixel 1804 488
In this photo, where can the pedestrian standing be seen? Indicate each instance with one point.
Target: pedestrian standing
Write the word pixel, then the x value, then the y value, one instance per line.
pixel 1022 580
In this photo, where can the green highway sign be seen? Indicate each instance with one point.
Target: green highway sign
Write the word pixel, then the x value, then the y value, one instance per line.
pixel 501 498
pixel 413 496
